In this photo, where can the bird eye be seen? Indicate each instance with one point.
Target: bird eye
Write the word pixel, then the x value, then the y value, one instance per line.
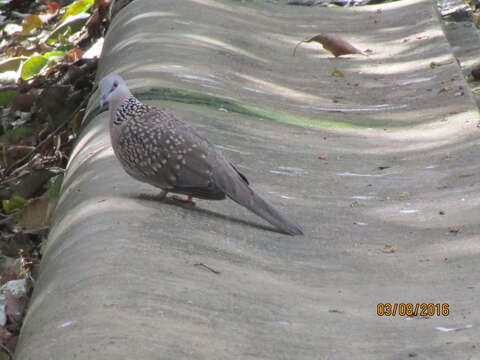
pixel 115 84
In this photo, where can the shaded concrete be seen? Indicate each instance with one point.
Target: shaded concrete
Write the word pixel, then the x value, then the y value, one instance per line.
pixel 119 277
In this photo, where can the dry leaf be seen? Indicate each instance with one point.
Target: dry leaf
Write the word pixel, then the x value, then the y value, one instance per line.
pixel 36 215
pixel 74 55
pixel 332 43
pixel 404 195
pixel 31 22
pixel 22 102
pixel 52 7
pixel 466 174
pixel 14 307
pixel 453 229
pixel 389 249
pixel 337 73
pixel 16 152
pixel 445 90
pixel 323 157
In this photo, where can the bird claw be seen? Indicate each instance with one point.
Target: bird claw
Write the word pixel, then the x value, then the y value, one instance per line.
pixel 188 202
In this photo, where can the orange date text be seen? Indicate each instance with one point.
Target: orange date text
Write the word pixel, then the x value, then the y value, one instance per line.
pixel 410 309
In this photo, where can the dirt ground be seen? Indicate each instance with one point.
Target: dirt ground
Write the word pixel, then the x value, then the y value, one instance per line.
pixel 379 165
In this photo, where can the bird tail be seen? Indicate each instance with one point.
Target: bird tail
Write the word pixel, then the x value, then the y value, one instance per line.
pixel 236 187
pixel 261 207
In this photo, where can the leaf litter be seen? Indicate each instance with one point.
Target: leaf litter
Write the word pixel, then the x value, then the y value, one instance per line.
pixel 45 82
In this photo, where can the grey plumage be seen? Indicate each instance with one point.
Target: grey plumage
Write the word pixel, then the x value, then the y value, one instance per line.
pixel 155 147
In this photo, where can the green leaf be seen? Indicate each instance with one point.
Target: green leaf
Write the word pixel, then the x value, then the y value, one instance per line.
pixel 77 7
pixel 50 54
pixel 13 136
pixel 54 186
pixel 6 95
pixel 15 202
pixel 66 28
pixel 33 66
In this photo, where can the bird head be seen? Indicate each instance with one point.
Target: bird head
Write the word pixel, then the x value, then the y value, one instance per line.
pixel 112 87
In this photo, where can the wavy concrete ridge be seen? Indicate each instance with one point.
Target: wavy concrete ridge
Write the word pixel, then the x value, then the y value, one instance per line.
pixel 120 276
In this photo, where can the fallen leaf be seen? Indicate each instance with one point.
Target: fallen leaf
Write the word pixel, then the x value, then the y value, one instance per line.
pixel 29 23
pixel 52 7
pixel 435 64
pixel 332 43
pixel 453 229
pixel 14 203
pixel 36 215
pixel 16 152
pixel 74 55
pixel 77 7
pixel 5 338
pixel 445 90
pixel 389 249
pixel 14 307
pixel 466 174
pixel 22 102
pixel 323 157
pixel 33 66
pixel 11 64
pixel 404 195
pixel 337 73
pixel 7 94
pixel 13 136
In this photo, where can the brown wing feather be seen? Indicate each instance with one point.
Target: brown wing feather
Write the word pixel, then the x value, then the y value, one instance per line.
pixel 175 157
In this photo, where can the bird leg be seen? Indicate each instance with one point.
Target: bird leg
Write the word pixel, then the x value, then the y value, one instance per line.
pixel 162 196
pixel 188 201
pixel 159 197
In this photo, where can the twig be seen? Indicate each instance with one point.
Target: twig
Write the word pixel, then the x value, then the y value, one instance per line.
pixel 295 48
pixel 27 157
pixel 208 268
pixel 6 350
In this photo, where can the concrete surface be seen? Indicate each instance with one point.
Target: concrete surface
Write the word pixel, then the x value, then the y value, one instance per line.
pixel 119 278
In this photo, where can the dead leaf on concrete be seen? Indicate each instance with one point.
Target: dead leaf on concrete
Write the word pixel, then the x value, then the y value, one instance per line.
pixel 404 195
pixel 332 43
pixel 389 249
pixel 445 90
pixel 453 229
pixel 337 73
pixel 435 64
pixel 323 157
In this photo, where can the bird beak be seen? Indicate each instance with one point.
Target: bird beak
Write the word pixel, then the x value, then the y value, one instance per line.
pixel 94 111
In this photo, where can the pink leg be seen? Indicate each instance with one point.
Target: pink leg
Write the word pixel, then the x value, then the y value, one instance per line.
pixel 162 196
pixel 159 197
pixel 188 201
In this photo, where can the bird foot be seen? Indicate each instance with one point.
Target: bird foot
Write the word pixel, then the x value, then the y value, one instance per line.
pixel 159 197
pixel 162 197
pixel 188 201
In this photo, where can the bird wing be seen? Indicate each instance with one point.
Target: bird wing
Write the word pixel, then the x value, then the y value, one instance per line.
pixel 175 157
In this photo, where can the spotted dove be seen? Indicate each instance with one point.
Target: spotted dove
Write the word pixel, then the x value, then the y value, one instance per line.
pixel 157 148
